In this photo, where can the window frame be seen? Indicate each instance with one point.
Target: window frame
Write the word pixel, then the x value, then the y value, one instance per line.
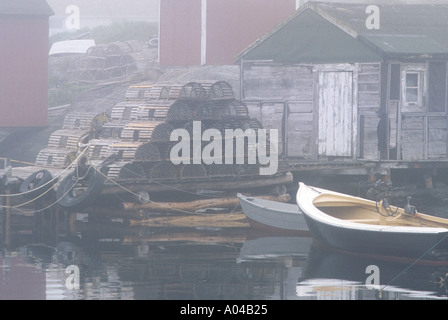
pixel 420 104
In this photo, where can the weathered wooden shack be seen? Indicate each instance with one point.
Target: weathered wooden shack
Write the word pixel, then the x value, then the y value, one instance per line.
pixel 354 82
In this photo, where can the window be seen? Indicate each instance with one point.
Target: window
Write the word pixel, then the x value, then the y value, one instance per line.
pixel 413 88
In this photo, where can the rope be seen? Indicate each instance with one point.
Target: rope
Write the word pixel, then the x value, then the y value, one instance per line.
pixel 43 193
pixel 52 204
pixel 51 181
pixel 113 181
pixel 18 161
pixel 133 193
pixel 413 263
pixel 55 202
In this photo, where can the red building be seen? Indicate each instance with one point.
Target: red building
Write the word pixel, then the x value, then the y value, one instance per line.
pixel 24 62
pixel 213 32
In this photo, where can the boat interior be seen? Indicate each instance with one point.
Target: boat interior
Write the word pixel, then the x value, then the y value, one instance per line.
pixel 376 213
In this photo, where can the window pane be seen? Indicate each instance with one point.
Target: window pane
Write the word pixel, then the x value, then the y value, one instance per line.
pixel 411 95
pixel 411 80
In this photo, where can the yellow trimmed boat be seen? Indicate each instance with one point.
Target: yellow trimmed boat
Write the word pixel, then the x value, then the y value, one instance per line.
pixel 359 225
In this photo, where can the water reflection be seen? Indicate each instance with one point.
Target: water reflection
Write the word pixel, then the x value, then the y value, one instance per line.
pixel 119 262
pixel 334 275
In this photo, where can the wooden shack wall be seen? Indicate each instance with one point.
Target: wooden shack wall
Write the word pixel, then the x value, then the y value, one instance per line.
pixel 417 131
pixel 281 97
pixel 284 97
pixel 369 105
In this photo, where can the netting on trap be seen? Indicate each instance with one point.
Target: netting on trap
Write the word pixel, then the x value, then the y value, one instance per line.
pixel 162 132
pixel 193 91
pixel 148 152
pixel 131 171
pixel 221 170
pixel 193 171
pixel 180 111
pixel 164 170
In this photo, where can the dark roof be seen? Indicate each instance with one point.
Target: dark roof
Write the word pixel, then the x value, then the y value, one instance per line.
pixel 25 7
pixel 405 30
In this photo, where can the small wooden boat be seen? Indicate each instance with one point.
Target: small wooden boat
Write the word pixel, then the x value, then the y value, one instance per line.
pixel 272 216
pixel 363 226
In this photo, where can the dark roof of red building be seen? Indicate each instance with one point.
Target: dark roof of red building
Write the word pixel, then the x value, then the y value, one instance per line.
pixel 25 7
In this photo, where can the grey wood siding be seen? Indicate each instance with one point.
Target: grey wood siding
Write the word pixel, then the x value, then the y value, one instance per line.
pixel 369 101
pixel 281 97
pixel 437 137
pixel 287 98
pixel 412 137
pixel 269 81
pixel 300 124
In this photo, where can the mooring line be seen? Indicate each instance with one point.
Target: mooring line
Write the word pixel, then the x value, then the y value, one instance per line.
pixel 413 263
pixel 16 207
pixel 50 205
pixel 138 196
pixel 51 181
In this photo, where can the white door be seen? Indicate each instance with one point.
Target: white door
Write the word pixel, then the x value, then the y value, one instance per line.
pixel 336 114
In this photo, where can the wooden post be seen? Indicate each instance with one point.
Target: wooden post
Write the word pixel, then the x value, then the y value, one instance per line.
pixel 428 181
pixel 7 217
pixel 56 214
pixel 70 223
pixel 3 211
pixel 383 213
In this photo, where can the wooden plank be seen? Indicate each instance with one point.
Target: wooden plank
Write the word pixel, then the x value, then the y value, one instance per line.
pixel 416 135
pixel 368 96
pixel 413 151
pixel 369 87
pixel 437 122
pixel 237 183
pixel 228 202
pixel 300 107
pixel 437 150
pixel 369 67
pixel 277 82
pixel 272 118
pixel 225 220
pixel 369 78
pixel 197 237
pixel 300 122
pixel 412 122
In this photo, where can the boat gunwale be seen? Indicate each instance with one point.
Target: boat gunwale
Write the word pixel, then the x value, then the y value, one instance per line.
pixel 258 205
pixel 305 200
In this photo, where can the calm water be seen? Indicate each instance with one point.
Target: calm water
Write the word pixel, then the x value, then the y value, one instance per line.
pixel 120 262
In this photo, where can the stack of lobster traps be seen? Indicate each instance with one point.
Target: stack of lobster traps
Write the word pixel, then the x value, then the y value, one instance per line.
pixel 105 62
pixel 149 115
pixel 63 144
pixel 133 143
